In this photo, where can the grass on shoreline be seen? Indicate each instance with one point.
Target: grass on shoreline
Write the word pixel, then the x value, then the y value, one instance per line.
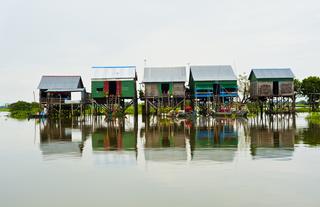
pixel 314 117
pixel 130 109
pixel 4 110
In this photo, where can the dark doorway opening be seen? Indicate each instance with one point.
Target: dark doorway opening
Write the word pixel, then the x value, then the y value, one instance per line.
pixel 165 88
pixel 43 94
pixel 216 89
pixel 276 88
pixel 112 88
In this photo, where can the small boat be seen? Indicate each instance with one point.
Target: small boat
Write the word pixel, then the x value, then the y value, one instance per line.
pixel 40 115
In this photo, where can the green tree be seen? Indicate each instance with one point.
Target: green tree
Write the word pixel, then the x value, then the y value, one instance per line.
pixel 22 109
pixel 297 86
pixel 310 87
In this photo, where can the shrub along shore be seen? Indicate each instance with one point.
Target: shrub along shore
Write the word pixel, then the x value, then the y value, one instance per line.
pixel 22 109
pixel 314 117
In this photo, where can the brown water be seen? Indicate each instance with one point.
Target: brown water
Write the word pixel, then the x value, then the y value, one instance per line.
pixel 205 162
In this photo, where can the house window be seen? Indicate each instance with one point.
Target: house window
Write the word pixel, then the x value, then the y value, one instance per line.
pixel 99 89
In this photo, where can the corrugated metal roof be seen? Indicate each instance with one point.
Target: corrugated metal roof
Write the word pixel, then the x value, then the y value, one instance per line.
pixel 114 72
pixel 164 74
pixel 272 73
pixel 60 82
pixel 212 73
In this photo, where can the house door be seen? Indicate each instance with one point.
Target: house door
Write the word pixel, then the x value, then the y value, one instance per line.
pixel 275 88
pixel 112 88
pixel 216 89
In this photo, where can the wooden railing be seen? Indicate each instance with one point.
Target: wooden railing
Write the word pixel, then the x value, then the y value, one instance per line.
pixel 52 100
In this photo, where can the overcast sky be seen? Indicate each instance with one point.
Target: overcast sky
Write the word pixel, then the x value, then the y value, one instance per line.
pixel 57 37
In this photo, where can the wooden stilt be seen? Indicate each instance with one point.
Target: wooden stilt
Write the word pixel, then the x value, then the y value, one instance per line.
pixel 72 110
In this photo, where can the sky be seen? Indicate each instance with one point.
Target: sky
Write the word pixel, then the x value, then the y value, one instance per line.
pixel 68 37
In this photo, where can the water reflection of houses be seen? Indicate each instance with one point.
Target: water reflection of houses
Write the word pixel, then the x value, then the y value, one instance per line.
pixel 272 138
pixel 113 138
pixel 114 142
pixel 62 138
pixel 165 140
pixel 215 139
pixel 204 139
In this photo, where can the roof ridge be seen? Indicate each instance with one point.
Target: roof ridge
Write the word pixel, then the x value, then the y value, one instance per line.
pixel 271 68
pixel 114 67
pixel 209 65
pixel 61 76
pixel 165 67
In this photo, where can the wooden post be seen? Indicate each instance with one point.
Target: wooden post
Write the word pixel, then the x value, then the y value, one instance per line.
pixel 80 111
pixel 196 108
pixel 294 104
pixel 261 107
pixel 161 104
pixel 71 109
pixel 92 107
pixel 146 106
pixel 60 106
pixel 135 106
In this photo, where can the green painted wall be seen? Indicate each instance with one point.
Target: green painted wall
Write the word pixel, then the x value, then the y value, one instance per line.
pixel 128 88
pixel 94 92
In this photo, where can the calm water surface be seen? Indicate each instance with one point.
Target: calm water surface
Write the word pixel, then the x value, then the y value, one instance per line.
pixel 205 162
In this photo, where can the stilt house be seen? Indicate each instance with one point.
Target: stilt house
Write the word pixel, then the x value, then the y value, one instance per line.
pixel 61 90
pixel 213 81
pixel 164 82
pixel 113 81
pixel 164 86
pixel 268 83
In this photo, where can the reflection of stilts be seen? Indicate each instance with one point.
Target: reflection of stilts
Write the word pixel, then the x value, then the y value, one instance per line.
pixel 188 150
pixel 141 160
